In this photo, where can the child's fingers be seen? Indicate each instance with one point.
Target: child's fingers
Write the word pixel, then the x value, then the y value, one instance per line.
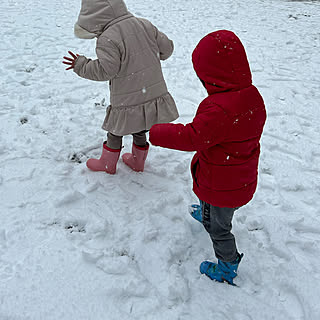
pixel 72 54
pixel 69 59
pixel 69 68
pixel 68 63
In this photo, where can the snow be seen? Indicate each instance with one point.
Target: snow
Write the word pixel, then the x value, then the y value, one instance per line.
pixel 81 245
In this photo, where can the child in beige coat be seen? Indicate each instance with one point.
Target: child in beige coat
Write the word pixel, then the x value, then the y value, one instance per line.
pixel 129 50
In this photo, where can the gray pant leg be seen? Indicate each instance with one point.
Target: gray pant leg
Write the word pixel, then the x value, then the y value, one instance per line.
pixel 217 222
pixel 113 141
pixel 140 139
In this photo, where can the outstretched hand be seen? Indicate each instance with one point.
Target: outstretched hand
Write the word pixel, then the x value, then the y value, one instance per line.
pixel 70 61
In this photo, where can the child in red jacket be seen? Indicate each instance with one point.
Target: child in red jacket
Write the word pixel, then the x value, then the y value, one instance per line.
pixel 225 134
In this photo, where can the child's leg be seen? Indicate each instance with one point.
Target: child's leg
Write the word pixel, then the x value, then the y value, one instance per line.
pixel 217 222
pixel 140 139
pixel 136 159
pixel 113 141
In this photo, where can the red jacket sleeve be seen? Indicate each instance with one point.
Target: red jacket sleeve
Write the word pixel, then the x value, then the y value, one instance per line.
pixel 208 128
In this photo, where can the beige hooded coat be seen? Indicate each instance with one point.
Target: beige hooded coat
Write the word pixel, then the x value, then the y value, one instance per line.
pixel 129 50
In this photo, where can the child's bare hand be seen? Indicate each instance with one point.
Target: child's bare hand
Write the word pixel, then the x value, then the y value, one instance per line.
pixel 70 61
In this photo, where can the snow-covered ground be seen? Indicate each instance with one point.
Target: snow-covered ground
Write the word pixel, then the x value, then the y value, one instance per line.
pixel 81 245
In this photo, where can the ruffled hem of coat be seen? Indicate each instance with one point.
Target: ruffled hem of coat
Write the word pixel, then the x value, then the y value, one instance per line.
pixel 124 120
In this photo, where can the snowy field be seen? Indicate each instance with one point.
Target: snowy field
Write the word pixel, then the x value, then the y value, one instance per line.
pixel 78 245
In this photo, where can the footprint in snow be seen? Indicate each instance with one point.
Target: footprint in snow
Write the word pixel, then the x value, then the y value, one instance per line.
pixel 24 120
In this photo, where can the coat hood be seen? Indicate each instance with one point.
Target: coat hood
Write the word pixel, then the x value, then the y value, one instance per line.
pixel 96 15
pixel 220 61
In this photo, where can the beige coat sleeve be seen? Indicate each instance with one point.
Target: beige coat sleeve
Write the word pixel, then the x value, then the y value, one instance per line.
pixel 105 67
pixel 165 45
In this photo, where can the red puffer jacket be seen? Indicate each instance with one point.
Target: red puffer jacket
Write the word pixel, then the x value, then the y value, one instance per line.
pixel 227 127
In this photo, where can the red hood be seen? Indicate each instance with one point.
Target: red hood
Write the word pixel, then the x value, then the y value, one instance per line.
pixel 221 62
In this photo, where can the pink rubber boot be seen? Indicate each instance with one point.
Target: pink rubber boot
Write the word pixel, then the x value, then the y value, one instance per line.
pixel 107 162
pixel 137 158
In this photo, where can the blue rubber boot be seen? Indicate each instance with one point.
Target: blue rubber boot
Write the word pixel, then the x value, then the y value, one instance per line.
pixel 196 212
pixel 221 271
